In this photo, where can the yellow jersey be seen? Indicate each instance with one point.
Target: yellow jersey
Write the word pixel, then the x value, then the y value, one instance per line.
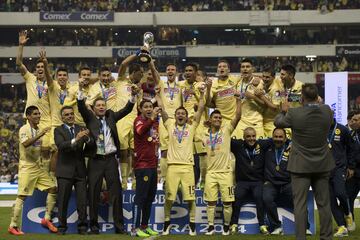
pixel 31 154
pixel 218 158
pixel 71 100
pixel 123 88
pixel 109 93
pixel 222 93
pixel 190 97
pixel 38 95
pixel 170 94
pixel 180 147
pixel 293 94
pixel 274 95
pixel 57 98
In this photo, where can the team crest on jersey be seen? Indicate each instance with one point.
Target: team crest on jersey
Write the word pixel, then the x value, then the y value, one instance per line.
pixel 337 131
pixel 286 154
pixel 110 92
pixel 146 178
pixel 257 149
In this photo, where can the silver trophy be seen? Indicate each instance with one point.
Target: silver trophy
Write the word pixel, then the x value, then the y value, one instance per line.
pixel 144 55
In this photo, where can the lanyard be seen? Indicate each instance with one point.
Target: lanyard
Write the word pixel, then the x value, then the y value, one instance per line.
pixel 242 92
pixel 171 90
pixel 180 134
pixel 187 95
pixel 329 140
pixel 33 132
pixel 62 96
pixel 278 157
pixel 213 141
pixel 105 92
pixel 357 137
pixel 252 154
pixel 40 88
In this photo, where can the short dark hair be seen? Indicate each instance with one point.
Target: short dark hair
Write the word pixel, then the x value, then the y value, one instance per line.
pixel 171 64
pixel 270 70
pixel 246 60
pixel 84 68
pixel 216 111
pixel 310 91
pixel 351 114
pixel 39 60
pixel 282 129
pixel 98 99
pixel 134 68
pixel 224 61
pixel 65 108
pixel 193 65
pixel 290 69
pixel 143 102
pixel 103 69
pixel 30 109
pixel 61 69
pixel 182 108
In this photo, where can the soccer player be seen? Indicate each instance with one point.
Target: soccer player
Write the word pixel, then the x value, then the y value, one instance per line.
pixel 36 92
pixel 271 98
pixel 170 94
pixel 146 141
pixel 291 86
pixel 252 107
pixel 219 173
pixel 343 149
pixel 125 126
pixel 31 175
pixel 152 80
pixel 84 83
pixel 249 175
pixel 180 159
pixel 353 184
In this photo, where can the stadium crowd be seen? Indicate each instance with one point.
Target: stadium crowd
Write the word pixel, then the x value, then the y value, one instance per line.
pixel 185 36
pixel 166 5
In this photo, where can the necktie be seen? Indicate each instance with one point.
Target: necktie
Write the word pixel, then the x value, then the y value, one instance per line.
pixel 72 132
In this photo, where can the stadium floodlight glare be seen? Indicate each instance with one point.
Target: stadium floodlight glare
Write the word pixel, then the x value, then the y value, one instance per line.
pixel 229 29
pixel 311 57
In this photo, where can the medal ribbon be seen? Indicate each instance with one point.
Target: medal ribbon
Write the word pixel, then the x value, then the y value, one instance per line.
pixel 187 95
pixel 251 156
pixel 213 141
pixel 105 92
pixel 171 90
pixel 278 155
pixel 40 88
pixel 329 140
pixel 62 96
pixel 180 134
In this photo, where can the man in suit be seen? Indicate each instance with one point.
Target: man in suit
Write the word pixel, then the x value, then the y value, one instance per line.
pixel 70 168
pixel 102 125
pixel 310 159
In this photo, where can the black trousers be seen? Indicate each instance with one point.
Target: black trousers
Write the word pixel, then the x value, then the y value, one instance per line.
pixel 270 194
pixel 63 196
pixel 146 185
pixel 338 191
pixel 242 191
pixel 352 188
pixel 105 167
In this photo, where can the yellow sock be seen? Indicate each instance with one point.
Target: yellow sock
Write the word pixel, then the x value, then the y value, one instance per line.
pixel 210 211
pixel 167 209
pixel 17 209
pixel 163 167
pixel 192 208
pixel 50 204
pixel 227 213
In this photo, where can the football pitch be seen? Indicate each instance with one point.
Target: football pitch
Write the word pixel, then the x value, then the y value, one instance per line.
pixel 5 213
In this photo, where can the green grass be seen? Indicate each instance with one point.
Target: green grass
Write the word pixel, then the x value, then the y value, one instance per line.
pixel 5 214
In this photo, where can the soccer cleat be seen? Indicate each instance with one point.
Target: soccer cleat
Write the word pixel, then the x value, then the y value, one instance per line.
pixel 15 231
pixel 233 229
pixel 341 232
pixel 192 230
pixel 226 230
pixel 350 222
pixel 277 231
pixel 167 228
pixel 308 232
pixel 141 233
pixel 49 225
pixel 151 232
pixel 210 230
pixel 264 229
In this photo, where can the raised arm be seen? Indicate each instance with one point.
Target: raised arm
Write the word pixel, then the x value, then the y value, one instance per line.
pixel 201 107
pixel 209 99
pixel 283 119
pixel 19 58
pixel 237 118
pixel 154 72
pixel 124 64
pixel 49 79
pixel 164 114
pixel 85 113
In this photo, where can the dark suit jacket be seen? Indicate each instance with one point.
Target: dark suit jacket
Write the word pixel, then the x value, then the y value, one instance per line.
pixel 71 162
pixel 111 117
pixel 310 127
